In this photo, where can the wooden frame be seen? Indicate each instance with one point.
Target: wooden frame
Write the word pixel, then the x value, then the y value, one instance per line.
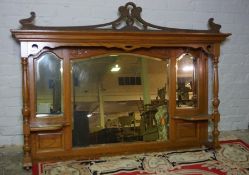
pixel 51 138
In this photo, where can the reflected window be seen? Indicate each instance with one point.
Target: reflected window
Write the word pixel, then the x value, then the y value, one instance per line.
pixel 121 98
pixel 186 85
pixel 48 77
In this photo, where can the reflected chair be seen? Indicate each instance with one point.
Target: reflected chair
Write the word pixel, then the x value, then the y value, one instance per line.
pixel 128 127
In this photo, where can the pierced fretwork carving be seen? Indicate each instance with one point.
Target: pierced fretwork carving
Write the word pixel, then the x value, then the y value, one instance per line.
pixel 130 19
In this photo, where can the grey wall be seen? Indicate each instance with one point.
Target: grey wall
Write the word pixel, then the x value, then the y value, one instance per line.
pixel 234 61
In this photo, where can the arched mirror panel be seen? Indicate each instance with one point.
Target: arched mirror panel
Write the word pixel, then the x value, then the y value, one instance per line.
pixel 49 86
pixel 186 81
pixel 119 98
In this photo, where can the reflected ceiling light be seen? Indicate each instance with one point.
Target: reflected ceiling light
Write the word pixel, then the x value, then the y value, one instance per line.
pixel 187 68
pixel 115 68
pixel 89 115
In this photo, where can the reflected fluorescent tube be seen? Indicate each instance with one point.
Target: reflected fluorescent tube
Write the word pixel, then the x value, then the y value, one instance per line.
pixel 116 68
pixel 89 115
pixel 187 68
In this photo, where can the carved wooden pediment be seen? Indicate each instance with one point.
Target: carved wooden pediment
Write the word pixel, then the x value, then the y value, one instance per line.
pixel 129 20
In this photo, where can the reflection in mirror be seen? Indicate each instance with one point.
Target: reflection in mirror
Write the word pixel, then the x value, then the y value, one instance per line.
pixel 186 85
pixel 48 76
pixel 119 98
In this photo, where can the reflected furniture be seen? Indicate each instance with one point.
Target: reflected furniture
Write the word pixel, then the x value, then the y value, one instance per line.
pixel 48 123
pixel 155 118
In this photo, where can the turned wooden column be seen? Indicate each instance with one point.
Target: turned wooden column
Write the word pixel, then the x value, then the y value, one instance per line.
pixel 26 114
pixel 216 101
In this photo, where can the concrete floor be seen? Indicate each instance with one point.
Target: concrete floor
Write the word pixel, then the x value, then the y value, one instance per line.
pixel 11 161
pixel 11 157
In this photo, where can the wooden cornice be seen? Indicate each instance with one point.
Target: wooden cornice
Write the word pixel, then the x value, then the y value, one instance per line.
pixel 110 35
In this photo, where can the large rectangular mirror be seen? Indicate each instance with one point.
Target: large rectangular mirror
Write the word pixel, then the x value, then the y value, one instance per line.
pixel 119 98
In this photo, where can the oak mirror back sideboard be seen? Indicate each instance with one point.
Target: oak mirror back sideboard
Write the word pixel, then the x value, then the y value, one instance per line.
pixel 122 87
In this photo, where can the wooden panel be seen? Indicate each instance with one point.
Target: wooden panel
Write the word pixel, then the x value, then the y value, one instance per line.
pixel 186 131
pixel 203 132
pixel 49 141
pixel 191 133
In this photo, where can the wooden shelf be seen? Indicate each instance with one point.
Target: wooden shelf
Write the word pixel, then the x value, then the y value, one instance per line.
pixel 194 117
pixel 46 126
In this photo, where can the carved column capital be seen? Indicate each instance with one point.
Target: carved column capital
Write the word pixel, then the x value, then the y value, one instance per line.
pixel 215 61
